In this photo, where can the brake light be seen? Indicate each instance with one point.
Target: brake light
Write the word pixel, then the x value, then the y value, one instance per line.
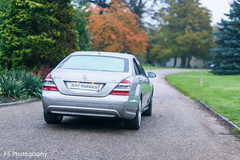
pixel 50 88
pixel 123 93
pixel 122 88
pixel 48 84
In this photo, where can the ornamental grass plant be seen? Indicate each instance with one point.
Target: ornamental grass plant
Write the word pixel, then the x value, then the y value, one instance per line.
pixel 19 85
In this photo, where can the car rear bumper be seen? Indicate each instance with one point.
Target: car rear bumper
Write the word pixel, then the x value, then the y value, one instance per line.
pixel 111 106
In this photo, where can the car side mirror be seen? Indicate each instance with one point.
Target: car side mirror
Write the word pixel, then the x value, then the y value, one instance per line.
pixel 151 75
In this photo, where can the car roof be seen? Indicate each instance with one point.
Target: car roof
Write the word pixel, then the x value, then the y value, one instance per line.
pixel 99 53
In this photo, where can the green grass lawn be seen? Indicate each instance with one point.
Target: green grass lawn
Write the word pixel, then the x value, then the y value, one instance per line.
pixel 221 93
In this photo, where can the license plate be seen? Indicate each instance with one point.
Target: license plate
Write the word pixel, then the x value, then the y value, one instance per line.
pixel 85 86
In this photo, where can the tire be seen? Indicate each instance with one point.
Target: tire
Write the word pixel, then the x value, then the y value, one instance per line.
pixel 52 118
pixel 136 122
pixel 148 112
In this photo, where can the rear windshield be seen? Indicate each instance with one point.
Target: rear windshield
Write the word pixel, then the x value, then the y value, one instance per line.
pixel 96 63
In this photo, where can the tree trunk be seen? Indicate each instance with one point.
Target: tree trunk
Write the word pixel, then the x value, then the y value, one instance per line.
pixel 175 61
pixel 183 62
pixel 164 62
pixel 189 61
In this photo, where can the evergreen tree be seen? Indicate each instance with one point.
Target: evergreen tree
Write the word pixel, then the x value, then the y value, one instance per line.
pixel 37 32
pixel 82 20
pixel 184 31
pixel 227 57
pixel 4 8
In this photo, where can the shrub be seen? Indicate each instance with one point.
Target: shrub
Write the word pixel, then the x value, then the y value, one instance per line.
pixel 1 68
pixel 19 75
pixel 11 87
pixel 43 72
pixel 16 84
pixel 33 85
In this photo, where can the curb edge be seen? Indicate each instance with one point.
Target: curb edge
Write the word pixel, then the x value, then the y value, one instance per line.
pixel 18 103
pixel 230 123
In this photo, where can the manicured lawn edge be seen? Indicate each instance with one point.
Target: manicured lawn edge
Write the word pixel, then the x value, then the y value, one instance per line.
pixel 230 123
pixel 181 86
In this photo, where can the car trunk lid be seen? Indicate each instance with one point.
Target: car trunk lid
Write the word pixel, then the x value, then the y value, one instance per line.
pixel 86 83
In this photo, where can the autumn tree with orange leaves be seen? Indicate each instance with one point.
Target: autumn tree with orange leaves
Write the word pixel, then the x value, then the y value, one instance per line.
pixel 116 29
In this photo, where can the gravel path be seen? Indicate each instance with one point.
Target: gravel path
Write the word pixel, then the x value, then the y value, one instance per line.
pixel 178 129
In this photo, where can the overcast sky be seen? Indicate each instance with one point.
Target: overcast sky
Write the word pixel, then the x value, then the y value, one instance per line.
pixel 218 8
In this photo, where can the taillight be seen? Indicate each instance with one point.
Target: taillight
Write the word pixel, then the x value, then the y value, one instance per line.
pixel 122 88
pixel 48 84
pixel 124 93
pixel 50 88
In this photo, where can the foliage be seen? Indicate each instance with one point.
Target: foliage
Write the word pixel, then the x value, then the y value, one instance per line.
pixel 18 75
pixel 43 72
pixel 1 69
pixel 11 87
pixel 221 93
pixel 159 50
pixel 227 57
pixel 82 19
pixel 101 3
pixel 138 7
pixel 19 83
pixel 116 29
pixel 4 8
pixel 37 32
pixel 184 32
pixel 33 85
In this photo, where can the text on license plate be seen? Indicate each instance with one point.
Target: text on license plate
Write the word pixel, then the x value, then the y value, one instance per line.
pixel 84 86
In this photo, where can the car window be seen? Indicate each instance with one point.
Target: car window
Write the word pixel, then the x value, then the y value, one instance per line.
pixel 142 72
pixel 137 71
pixel 96 63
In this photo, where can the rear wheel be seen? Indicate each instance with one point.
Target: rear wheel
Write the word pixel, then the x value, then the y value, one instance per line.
pixel 148 112
pixel 52 118
pixel 136 122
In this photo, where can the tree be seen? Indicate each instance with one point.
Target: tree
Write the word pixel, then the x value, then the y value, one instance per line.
pixel 227 57
pixel 138 7
pixel 184 30
pixel 101 3
pixel 82 19
pixel 37 32
pixel 116 29
pixel 157 44
pixel 4 8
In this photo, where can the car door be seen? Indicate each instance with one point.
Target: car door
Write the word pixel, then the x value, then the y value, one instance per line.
pixel 143 80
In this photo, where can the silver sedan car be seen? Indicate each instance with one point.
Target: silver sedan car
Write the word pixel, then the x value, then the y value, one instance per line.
pixel 98 84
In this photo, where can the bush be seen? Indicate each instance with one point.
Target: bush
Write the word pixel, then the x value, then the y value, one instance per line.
pixel 33 85
pixel 43 71
pixel 19 75
pixel 20 83
pixel 11 87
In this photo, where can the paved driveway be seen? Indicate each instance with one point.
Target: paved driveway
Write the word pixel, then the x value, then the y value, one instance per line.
pixel 178 129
